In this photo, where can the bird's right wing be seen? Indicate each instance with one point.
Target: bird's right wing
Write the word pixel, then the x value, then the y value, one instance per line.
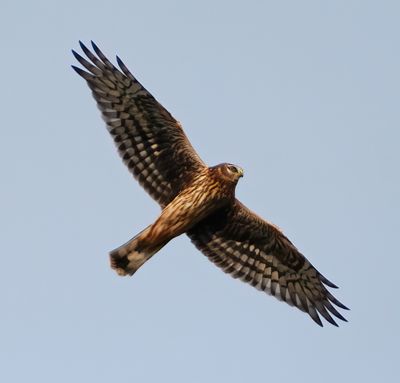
pixel 257 252
pixel 150 141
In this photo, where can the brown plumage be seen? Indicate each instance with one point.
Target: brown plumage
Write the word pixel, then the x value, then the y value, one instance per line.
pixel 196 199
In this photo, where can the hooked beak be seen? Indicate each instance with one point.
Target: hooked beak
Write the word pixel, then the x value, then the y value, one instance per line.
pixel 241 172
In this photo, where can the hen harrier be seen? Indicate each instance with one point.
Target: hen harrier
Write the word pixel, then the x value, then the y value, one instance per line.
pixel 196 199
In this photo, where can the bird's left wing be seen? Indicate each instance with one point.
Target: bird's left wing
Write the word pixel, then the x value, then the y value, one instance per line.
pixel 150 141
pixel 257 252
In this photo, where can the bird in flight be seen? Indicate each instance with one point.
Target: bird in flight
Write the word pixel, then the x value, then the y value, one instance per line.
pixel 196 199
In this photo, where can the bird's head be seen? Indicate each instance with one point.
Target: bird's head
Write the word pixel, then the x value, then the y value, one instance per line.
pixel 229 172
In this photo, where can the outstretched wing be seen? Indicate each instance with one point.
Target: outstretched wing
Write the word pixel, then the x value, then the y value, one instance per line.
pixel 150 141
pixel 249 248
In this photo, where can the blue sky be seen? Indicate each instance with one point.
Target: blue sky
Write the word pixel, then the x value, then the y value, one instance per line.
pixel 303 95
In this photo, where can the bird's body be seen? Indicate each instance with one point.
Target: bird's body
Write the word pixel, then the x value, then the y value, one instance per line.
pixel 195 199
pixel 188 208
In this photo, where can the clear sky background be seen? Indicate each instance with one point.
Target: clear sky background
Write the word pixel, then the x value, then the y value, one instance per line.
pixel 304 95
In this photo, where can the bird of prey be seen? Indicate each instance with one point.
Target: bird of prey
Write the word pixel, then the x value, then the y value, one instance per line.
pixel 196 199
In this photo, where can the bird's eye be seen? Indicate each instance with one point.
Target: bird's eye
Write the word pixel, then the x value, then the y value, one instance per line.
pixel 233 169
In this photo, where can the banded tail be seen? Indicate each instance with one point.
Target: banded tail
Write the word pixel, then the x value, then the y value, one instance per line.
pixel 128 258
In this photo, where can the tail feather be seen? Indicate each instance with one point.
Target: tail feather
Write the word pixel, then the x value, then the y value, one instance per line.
pixel 127 259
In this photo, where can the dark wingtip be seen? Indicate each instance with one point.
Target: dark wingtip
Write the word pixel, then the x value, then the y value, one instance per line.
pixel 82 45
pixel 315 317
pixel 319 323
pixel 96 49
pixel 94 45
pixel 125 70
pixel 87 51
pixel 119 61
pixel 331 321
pixel 76 55
pixel 340 304
pixel 87 76
pixel 76 69
pixel 328 305
pixel 327 282
pixel 336 301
